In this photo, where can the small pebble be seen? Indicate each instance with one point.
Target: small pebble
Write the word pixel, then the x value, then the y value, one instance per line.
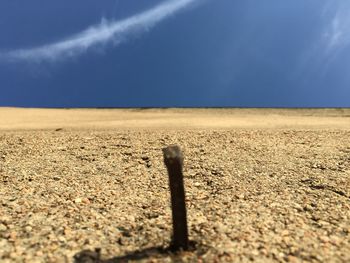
pixel 3 227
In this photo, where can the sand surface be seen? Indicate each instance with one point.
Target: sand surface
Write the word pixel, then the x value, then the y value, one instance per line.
pixel 262 185
pixel 165 119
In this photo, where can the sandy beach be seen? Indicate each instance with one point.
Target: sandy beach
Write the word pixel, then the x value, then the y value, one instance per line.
pixel 263 185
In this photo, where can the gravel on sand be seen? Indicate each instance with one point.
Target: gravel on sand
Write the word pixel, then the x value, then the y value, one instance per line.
pixel 262 195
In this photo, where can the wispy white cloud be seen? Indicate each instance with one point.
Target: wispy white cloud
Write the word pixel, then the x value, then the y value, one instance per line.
pixel 106 32
pixel 331 41
pixel 337 34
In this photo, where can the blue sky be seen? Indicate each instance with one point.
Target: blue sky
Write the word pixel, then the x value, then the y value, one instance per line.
pixel 175 53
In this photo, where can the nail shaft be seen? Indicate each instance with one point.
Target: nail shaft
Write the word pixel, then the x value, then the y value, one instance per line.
pixel 173 160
